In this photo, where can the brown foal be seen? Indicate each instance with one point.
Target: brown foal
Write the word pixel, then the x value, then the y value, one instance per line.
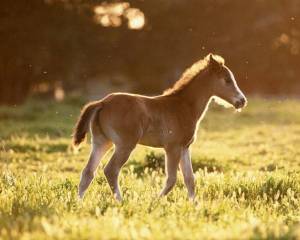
pixel 167 121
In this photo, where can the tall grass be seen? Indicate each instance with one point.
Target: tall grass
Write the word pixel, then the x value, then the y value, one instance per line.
pixel 246 167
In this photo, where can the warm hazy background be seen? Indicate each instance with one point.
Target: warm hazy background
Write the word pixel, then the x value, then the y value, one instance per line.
pixel 84 47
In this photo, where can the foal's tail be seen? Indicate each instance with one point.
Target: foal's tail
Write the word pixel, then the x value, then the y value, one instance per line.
pixel 82 125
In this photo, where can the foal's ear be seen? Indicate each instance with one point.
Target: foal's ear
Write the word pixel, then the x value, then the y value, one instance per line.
pixel 215 62
pixel 211 57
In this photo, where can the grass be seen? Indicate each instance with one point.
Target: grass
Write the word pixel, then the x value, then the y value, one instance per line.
pixel 247 168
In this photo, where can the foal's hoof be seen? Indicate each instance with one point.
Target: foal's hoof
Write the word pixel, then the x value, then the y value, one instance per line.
pixel 161 195
pixel 118 197
pixel 192 198
pixel 80 195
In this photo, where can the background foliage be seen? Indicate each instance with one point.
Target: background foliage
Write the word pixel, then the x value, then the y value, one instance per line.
pixel 59 42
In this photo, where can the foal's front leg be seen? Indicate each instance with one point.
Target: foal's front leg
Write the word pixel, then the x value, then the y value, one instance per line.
pixel 172 160
pixel 187 171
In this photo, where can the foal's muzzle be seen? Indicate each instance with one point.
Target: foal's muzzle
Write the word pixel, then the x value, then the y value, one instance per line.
pixel 240 103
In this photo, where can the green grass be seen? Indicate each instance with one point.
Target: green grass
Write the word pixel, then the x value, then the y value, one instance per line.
pixel 247 168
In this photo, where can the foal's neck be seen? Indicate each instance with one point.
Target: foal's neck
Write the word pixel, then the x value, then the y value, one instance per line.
pixel 197 94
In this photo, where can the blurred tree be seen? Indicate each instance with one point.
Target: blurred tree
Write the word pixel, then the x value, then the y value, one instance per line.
pixel 45 42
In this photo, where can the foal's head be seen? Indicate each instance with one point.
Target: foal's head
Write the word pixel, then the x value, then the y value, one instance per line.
pixel 223 82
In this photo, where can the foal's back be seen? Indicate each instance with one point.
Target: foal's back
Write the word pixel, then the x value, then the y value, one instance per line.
pixel 131 119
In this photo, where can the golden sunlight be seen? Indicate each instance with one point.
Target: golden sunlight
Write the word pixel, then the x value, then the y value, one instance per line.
pixel 136 18
pixel 113 15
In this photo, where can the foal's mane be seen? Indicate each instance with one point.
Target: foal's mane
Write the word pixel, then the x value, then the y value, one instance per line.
pixel 190 73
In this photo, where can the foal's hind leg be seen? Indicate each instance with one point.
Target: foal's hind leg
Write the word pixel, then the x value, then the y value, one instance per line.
pixel 113 167
pixel 172 160
pixel 100 145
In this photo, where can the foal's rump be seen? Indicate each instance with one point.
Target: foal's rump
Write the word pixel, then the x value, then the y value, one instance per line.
pixel 123 118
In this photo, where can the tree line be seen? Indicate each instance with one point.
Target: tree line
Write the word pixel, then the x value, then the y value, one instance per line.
pixel 45 42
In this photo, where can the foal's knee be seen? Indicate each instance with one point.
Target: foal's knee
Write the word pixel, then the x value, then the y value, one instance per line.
pixel 168 186
pixel 189 180
pixel 87 176
pixel 110 172
pixel 171 181
pixel 88 173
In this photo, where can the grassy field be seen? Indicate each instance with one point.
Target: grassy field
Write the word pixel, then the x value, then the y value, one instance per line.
pixel 247 168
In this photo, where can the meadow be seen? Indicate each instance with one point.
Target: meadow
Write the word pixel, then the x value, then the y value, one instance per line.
pixel 247 168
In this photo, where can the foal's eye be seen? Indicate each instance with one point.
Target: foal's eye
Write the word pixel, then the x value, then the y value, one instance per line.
pixel 227 81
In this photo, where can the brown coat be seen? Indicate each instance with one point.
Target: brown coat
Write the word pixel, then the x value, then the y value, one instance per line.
pixel 169 121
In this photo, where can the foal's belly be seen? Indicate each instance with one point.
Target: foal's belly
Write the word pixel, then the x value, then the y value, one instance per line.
pixel 163 136
pixel 151 143
pixel 153 137
pixel 151 140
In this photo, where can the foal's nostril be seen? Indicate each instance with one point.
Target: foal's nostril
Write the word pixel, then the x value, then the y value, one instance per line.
pixel 240 103
pixel 243 101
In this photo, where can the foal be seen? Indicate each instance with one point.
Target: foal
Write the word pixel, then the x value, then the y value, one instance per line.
pixel 167 121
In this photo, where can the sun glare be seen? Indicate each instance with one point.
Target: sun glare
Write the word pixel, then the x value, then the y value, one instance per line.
pixel 114 14
pixel 136 18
